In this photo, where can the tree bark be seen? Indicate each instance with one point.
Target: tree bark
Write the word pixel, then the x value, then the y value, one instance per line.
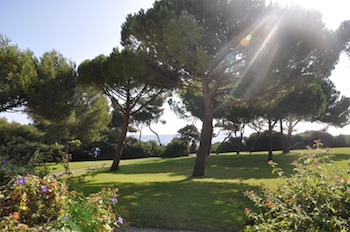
pixel 204 146
pixel 291 125
pixel 149 126
pixel 283 138
pixel 271 126
pixel 254 142
pixel 122 136
pixel 288 138
pixel 66 146
pixel 120 143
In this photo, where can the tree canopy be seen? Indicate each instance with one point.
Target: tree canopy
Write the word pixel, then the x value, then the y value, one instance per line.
pixel 132 84
pixel 17 73
pixel 232 51
pixel 50 97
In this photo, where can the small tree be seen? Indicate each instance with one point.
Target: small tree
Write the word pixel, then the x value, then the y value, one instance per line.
pixel 190 134
pixel 130 82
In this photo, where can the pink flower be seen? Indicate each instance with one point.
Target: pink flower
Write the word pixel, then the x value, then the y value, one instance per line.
pixel 23 226
pixel 15 215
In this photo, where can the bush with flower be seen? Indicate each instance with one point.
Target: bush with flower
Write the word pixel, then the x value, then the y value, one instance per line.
pixel 45 204
pixel 32 203
pixel 315 198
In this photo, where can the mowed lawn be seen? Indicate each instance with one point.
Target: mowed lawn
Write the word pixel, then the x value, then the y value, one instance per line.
pixel 161 192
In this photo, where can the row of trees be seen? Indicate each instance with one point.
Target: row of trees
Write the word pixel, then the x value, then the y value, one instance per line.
pixel 237 62
pixel 259 142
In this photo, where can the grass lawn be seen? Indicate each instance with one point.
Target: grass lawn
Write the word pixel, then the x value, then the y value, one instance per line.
pixel 161 192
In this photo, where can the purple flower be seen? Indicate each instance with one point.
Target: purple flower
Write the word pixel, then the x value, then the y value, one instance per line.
pixel 5 161
pixel 44 188
pixel 21 180
pixel 120 220
pixel 114 200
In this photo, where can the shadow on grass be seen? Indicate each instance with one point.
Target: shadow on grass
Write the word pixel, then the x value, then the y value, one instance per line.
pixel 183 205
pixel 241 167
pixel 213 203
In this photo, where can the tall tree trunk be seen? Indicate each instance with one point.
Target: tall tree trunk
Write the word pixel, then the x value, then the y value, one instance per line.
pixel 120 143
pixel 122 136
pixel 291 125
pixel 283 138
pixel 240 139
pixel 205 141
pixel 271 126
pixel 288 139
pixel 254 142
pixel 66 146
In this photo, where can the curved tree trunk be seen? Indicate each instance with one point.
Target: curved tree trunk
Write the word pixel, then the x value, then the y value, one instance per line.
pixel 223 141
pixel 149 126
pixel 122 135
pixel 120 143
pixel 205 141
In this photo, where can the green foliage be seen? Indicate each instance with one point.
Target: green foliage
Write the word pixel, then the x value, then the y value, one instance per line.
pixel 138 149
pixel 176 148
pixel 156 149
pixel 17 73
pixel 261 142
pixel 45 204
pixel 315 198
pixel 51 94
pixel 32 201
pixel 233 144
pixel 29 202
pixel 86 122
pixel 22 149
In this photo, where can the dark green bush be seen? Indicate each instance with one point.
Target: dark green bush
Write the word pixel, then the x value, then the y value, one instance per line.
pixel 176 148
pixel 136 149
pixel 157 149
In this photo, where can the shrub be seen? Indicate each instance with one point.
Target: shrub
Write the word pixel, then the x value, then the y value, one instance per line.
pixel 176 148
pixel 136 149
pixel 45 204
pixel 31 203
pixel 12 165
pixel 315 198
pixel 157 149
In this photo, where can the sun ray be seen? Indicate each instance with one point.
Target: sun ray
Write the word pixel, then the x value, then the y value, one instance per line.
pixel 272 22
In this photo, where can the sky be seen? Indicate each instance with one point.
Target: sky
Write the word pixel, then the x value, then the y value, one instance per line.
pixel 84 29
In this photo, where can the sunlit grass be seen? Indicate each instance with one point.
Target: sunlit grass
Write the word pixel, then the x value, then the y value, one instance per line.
pixel 161 192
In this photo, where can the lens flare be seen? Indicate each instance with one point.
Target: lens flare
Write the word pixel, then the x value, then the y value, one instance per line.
pixel 246 40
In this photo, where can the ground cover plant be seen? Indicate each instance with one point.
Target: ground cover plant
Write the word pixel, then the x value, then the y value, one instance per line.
pixel 160 192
